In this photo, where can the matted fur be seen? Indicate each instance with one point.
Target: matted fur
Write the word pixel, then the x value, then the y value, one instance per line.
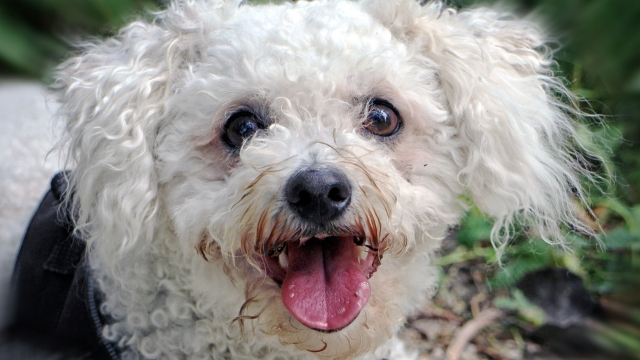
pixel 175 220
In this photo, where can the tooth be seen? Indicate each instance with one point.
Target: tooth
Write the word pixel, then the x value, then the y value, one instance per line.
pixel 283 261
pixel 363 253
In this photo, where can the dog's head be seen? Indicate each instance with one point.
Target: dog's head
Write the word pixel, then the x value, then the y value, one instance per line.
pixel 319 150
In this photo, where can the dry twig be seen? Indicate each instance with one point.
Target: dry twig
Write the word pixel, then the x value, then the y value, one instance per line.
pixel 469 331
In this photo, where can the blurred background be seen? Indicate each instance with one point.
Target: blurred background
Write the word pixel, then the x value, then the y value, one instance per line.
pixel 541 302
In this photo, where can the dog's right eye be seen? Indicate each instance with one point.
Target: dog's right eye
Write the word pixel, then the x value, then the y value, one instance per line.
pixel 239 127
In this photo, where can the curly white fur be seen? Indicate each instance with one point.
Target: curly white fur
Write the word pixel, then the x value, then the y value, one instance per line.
pixel 173 217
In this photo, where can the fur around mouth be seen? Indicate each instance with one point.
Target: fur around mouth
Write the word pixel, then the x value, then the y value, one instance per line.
pixel 324 280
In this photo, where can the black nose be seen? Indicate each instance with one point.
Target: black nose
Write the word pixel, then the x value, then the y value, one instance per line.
pixel 318 194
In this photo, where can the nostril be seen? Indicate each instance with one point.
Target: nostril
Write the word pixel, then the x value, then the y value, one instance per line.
pixel 304 198
pixel 335 194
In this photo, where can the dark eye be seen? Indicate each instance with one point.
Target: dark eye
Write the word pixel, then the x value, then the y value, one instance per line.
pixel 239 127
pixel 382 119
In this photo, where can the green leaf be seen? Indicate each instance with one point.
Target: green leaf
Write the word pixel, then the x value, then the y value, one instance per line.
pixel 525 309
pixel 634 83
pixel 621 239
pixel 24 48
pixel 474 227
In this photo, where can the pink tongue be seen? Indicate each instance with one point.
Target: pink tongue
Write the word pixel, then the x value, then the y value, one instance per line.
pixel 325 287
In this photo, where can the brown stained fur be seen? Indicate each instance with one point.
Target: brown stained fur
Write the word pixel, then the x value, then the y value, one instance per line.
pixel 208 249
pixel 256 293
pixel 210 252
pixel 320 350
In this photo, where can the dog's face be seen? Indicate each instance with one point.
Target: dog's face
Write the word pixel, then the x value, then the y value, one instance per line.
pixel 318 150
pixel 303 153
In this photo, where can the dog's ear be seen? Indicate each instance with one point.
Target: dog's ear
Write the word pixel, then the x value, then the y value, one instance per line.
pixel 521 156
pixel 113 98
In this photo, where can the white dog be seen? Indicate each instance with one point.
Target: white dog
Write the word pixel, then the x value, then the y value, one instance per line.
pixel 274 181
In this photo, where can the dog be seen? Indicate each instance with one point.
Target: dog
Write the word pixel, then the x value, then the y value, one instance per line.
pixel 274 181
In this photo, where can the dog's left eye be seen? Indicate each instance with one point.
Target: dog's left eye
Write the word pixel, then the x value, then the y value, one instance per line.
pixel 239 127
pixel 382 119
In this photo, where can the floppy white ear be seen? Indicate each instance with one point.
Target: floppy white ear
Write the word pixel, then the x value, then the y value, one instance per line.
pixel 113 98
pixel 521 155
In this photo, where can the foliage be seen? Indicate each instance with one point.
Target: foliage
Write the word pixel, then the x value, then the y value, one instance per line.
pixel 35 34
pixel 526 311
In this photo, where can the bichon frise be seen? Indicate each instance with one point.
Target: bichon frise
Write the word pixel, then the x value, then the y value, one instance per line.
pixel 273 181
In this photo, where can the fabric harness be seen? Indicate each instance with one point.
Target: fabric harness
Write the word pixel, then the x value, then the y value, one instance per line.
pixel 55 302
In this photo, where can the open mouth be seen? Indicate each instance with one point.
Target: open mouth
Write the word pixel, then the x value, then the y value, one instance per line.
pixel 324 279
